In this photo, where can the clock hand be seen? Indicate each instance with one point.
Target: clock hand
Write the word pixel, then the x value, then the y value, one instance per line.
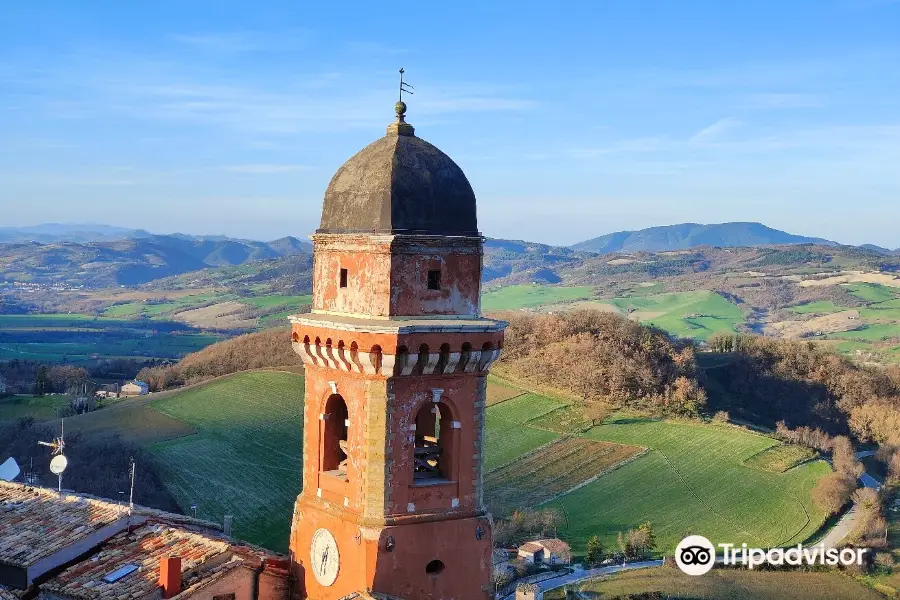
pixel 324 560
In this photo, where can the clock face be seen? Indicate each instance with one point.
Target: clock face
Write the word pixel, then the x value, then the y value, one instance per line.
pixel 324 557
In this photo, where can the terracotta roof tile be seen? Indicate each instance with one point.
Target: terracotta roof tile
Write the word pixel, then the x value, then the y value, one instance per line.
pixel 202 557
pixel 554 545
pixel 8 594
pixel 36 522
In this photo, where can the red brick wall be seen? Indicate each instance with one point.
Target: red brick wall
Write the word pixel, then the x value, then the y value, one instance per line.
pixel 387 278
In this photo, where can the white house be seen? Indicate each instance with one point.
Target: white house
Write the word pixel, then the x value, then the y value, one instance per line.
pixel 135 388
pixel 549 551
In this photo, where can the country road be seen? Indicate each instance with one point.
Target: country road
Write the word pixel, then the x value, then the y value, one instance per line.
pixel 558 582
pixel 847 522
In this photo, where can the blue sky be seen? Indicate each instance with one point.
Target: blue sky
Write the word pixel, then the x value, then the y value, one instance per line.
pixel 570 119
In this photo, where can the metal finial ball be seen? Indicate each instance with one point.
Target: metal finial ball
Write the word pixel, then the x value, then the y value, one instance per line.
pixel 400 108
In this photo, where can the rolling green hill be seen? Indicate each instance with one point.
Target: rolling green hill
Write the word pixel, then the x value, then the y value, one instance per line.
pixel 695 477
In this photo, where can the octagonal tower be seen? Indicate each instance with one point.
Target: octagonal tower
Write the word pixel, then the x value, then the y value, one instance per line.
pixel 397 354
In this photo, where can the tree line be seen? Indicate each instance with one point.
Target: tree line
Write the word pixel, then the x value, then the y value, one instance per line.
pixel 803 384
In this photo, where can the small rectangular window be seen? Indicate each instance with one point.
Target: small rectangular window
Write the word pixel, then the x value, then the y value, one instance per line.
pixel 343 277
pixel 434 280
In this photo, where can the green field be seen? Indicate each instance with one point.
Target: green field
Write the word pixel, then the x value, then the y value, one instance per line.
pixel 726 483
pixel 514 297
pixel 819 307
pixel 131 330
pixel 40 407
pixel 289 302
pixel 780 458
pixel 553 470
pixel 728 584
pixel 871 292
pixel 108 343
pixel 870 333
pixel 700 469
pixel 246 458
pixel 696 315
pixel 156 310
pixel 506 441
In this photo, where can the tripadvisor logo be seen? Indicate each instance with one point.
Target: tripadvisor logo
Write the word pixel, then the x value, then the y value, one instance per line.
pixel 696 555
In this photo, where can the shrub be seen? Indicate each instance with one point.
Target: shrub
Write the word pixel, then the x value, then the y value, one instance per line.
pixel 833 491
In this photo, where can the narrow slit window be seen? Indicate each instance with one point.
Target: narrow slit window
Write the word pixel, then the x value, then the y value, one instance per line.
pixel 434 279
pixel 343 278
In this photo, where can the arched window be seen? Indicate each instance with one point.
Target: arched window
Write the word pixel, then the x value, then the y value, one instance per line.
pixel 295 337
pixel 434 449
pixel 334 436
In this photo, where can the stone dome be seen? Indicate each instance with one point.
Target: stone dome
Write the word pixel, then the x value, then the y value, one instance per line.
pixel 400 184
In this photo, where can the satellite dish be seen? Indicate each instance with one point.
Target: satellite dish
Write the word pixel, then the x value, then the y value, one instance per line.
pixel 9 470
pixel 58 464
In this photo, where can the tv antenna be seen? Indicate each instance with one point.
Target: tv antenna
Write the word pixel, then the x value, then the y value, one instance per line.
pixel 59 462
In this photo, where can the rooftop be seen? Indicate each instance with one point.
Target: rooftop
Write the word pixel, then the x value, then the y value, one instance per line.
pixel 203 559
pixel 554 545
pixel 8 594
pixel 37 522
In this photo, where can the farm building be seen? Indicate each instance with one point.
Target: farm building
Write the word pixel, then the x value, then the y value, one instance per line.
pixel 550 551
pixel 135 388
pixel 76 547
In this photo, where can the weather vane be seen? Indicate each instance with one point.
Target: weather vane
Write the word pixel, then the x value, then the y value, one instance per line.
pixel 404 87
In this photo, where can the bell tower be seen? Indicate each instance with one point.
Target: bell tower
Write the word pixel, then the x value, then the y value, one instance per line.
pixel 396 354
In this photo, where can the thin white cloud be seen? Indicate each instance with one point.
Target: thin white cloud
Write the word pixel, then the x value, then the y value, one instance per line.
pixel 716 131
pixel 288 103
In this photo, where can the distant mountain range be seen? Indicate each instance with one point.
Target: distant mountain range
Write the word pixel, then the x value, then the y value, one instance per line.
pixel 93 255
pixel 691 235
pixel 132 261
